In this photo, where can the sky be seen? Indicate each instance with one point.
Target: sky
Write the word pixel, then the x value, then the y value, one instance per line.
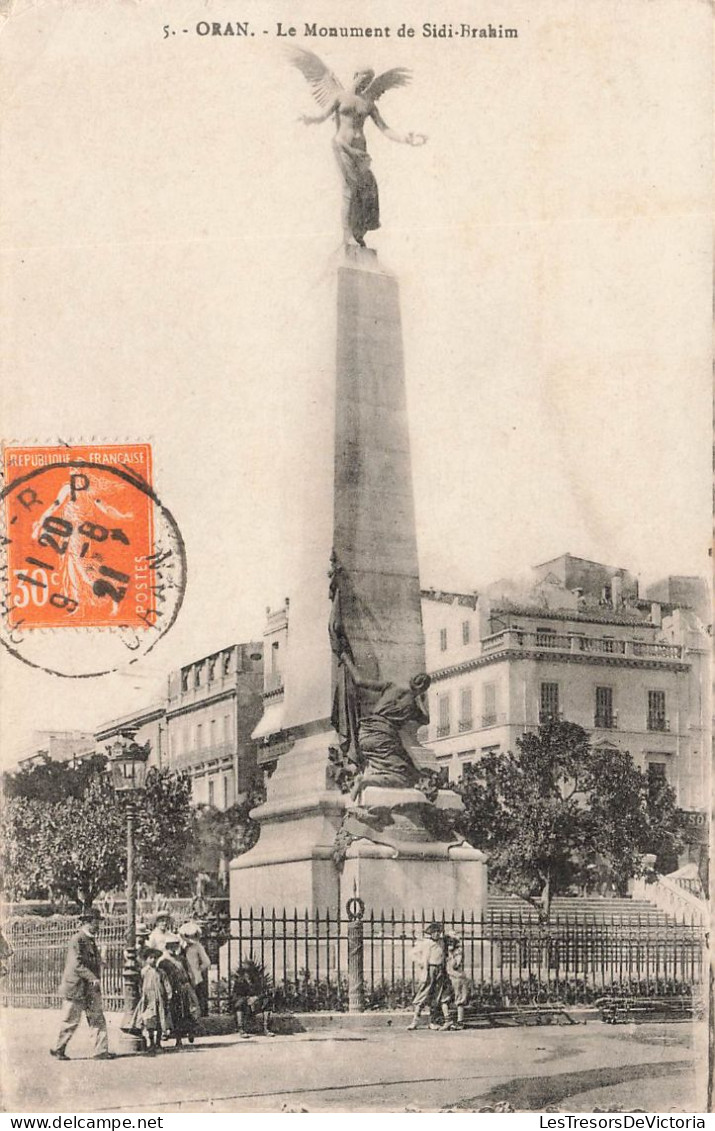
pixel 170 232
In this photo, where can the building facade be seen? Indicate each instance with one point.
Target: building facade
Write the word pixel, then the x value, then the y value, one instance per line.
pixel 204 725
pixel 57 746
pixel 149 725
pixel 212 708
pixel 574 641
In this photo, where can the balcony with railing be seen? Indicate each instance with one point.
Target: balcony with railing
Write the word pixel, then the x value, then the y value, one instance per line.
pixel 195 757
pixel 658 723
pixel 465 724
pixel 442 730
pixel 574 643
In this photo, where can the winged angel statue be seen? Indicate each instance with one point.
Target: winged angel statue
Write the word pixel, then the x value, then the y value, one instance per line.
pixel 350 108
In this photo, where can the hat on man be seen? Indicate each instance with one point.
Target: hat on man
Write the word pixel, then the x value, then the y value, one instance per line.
pixel 162 916
pixel 172 940
pixel 190 930
pixel 91 915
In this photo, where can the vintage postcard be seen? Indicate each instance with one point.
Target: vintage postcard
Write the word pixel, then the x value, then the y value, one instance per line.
pixel 354 523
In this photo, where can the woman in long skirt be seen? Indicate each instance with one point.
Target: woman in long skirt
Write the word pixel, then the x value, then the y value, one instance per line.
pixel 185 1010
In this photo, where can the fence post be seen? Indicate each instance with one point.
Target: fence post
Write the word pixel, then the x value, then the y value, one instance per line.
pixel 356 981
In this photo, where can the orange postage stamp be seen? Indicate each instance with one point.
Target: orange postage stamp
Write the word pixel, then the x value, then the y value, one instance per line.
pixel 79 536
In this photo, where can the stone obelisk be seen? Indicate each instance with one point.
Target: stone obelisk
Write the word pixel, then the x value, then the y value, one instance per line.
pixel 372 532
pixel 373 540
pixel 359 639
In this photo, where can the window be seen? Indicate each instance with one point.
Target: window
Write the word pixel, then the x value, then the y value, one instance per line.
pixel 656 711
pixel 604 717
pixel 657 775
pixel 549 703
pixel 443 724
pixel 197 675
pixel 227 663
pixel 275 649
pixel 212 792
pixel 199 737
pixel 212 730
pixel 465 708
pixel 212 668
pixel 443 639
pixel 465 632
pixel 227 728
pixel 184 679
pixel 489 704
pixel 226 791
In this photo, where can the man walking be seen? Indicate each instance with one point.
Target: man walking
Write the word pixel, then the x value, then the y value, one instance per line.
pixel 80 987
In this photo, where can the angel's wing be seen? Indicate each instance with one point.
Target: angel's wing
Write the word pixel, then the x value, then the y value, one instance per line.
pixel 324 84
pixel 398 76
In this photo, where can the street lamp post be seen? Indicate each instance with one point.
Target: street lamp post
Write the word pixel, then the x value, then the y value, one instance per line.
pixel 127 764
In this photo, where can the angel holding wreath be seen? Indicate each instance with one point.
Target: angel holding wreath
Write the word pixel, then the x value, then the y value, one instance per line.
pixel 350 108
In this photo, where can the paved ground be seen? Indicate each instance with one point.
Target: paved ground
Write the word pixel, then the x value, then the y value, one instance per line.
pixel 651 1067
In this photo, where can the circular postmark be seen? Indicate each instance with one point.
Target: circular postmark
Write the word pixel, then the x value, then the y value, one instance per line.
pixel 92 564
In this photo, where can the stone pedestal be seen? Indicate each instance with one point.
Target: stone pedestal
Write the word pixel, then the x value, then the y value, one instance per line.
pixel 430 878
pixel 292 865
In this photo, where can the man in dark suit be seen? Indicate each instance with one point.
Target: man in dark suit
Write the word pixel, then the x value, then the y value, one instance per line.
pixel 81 989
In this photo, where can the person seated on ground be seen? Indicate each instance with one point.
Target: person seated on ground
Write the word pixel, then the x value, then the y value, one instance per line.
pixel 435 990
pixel 185 1010
pixel 197 962
pixel 251 1000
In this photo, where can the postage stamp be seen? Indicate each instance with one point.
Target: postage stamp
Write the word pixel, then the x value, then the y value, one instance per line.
pixel 86 544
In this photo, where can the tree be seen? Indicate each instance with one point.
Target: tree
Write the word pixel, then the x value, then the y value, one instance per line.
pixel 219 835
pixel 163 837
pixel 52 781
pixel 560 813
pixel 75 847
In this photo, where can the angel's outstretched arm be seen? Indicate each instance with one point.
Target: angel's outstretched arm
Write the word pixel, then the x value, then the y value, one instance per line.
pixel 316 119
pixel 405 139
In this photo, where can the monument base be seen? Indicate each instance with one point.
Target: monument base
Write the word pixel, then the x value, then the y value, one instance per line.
pixel 292 865
pixel 448 879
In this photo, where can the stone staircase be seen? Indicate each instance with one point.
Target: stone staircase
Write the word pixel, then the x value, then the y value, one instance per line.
pixel 584 909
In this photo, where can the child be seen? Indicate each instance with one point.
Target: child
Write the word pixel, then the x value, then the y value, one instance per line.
pixel 251 997
pixel 435 990
pixel 197 962
pixel 456 975
pixel 153 1014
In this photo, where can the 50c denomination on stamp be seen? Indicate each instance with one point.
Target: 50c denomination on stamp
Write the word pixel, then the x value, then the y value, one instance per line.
pixel 86 545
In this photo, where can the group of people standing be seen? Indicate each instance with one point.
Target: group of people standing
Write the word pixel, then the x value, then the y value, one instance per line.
pixel 444 984
pixel 173 994
pixel 174 987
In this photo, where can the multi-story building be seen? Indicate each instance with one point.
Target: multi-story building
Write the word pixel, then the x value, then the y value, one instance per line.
pixel 149 725
pixel 204 725
pixel 57 746
pixel 212 708
pixel 575 642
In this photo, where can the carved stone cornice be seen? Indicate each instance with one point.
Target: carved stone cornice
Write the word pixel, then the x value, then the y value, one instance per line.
pixel 601 660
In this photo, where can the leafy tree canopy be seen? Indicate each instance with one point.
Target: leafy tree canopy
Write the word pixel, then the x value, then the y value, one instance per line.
pixel 560 813
pixel 72 844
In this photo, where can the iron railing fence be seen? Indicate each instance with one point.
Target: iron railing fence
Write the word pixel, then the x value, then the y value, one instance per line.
pixel 39 946
pixel 509 957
